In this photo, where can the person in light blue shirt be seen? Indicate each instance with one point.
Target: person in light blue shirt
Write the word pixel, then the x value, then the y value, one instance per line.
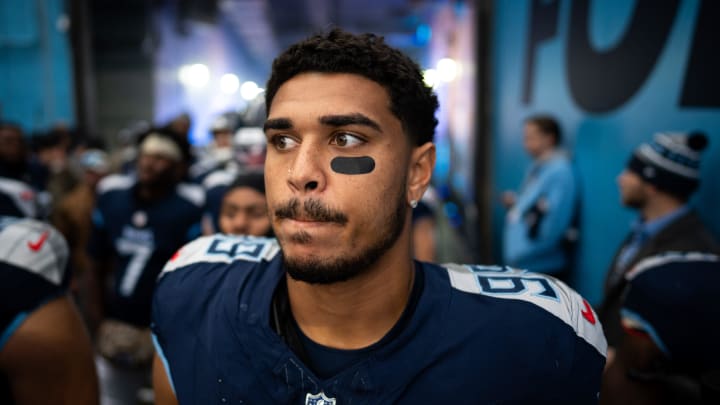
pixel 540 218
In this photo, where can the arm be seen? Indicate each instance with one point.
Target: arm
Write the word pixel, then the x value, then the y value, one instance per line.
pixel 556 195
pixel 635 352
pixel 164 394
pixel 49 358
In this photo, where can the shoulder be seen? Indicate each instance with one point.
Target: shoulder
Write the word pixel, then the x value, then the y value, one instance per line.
pixel 218 178
pixel 559 165
pixel 115 182
pixel 35 247
pixel 678 278
pixel 200 276
pixel 192 193
pixel 540 293
pixel 671 297
pixel 221 248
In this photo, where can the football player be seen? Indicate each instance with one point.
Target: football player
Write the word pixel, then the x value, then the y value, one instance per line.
pixel 669 351
pixel 138 223
pixel 45 351
pixel 335 310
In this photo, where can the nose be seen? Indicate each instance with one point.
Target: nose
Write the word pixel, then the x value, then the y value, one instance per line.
pixel 306 173
pixel 620 177
pixel 240 223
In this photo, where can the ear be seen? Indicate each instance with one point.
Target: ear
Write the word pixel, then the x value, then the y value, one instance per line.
pixel 422 164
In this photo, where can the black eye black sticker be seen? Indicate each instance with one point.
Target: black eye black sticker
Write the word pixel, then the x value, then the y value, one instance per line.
pixel 353 165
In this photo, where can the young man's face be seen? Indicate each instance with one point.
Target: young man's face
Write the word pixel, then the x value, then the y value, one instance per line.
pixel 244 212
pixel 335 173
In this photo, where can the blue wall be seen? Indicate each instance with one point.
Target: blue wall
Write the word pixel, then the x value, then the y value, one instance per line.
pixel 613 72
pixel 36 87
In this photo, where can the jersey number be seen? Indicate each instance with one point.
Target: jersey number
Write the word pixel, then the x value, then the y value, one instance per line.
pixel 139 255
pixel 516 285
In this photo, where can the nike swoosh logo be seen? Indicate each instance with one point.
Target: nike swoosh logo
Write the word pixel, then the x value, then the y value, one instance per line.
pixel 37 245
pixel 587 313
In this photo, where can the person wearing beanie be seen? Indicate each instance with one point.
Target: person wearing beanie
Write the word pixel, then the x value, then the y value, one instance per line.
pixel 669 352
pixel 658 181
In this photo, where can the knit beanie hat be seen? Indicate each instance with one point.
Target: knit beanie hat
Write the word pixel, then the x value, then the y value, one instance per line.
pixel 671 162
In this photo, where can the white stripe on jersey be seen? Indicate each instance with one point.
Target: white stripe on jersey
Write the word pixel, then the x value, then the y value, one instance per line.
pixel 33 246
pixel 115 182
pixel 669 257
pixel 221 248
pixel 544 291
pixel 219 178
pixel 17 190
pixel 192 192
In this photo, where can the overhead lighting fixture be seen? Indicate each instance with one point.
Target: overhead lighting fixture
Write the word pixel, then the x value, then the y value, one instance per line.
pixel 249 90
pixel 447 69
pixel 229 83
pixel 194 76
pixel 430 77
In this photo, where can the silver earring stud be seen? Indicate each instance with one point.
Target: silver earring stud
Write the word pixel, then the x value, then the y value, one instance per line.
pixel 413 203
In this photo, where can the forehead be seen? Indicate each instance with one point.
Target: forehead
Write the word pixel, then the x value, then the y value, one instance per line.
pixel 317 94
pixel 243 195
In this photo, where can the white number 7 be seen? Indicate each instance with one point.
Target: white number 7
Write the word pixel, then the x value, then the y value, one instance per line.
pixel 139 256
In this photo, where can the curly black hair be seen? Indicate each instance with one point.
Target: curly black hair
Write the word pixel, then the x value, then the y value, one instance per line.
pixel 367 55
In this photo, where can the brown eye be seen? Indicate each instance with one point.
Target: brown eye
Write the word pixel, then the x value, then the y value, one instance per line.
pixel 345 139
pixel 283 142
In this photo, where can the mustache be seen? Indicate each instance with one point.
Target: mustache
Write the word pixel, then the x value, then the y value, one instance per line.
pixel 311 209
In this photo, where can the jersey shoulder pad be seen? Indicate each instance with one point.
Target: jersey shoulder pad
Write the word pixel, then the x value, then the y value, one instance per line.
pixel 192 192
pixel 22 195
pixel 669 260
pixel 221 248
pixel 115 182
pixel 541 290
pixel 34 246
pixel 218 178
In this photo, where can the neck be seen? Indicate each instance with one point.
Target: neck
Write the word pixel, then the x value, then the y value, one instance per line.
pixel 356 313
pixel 659 207
pixel 152 192
pixel 545 155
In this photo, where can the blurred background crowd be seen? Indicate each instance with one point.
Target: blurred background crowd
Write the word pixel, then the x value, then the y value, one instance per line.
pixel 136 126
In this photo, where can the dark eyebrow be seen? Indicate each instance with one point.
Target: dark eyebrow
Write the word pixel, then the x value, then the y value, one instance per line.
pixel 277 123
pixel 349 119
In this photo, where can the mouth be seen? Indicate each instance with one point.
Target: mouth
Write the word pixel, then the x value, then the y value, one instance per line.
pixel 310 212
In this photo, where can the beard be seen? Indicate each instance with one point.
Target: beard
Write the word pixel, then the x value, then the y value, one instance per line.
pixel 322 270
pixel 634 200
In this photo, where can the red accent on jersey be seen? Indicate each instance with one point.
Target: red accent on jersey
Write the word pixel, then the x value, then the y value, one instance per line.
pixel 27 195
pixel 587 313
pixel 37 245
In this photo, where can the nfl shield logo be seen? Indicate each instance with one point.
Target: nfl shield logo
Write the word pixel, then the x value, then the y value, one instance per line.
pixel 319 399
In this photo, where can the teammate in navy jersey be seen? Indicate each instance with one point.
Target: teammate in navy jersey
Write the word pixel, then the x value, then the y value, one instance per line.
pixel 669 351
pixel 335 311
pixel 138 223
pixel 45 351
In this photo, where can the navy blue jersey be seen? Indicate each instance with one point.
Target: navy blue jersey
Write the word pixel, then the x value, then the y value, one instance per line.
pixel 473 335
pixel 33 270
pixel 140 237
pixel 216 185
pixel 672 298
